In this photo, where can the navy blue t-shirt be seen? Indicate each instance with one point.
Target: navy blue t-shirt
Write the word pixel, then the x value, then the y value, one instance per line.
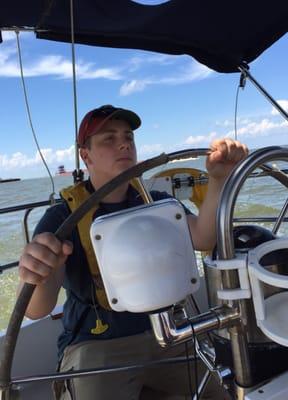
pixel 79 310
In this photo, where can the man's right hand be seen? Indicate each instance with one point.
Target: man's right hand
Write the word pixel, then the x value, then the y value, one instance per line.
pixel 43 255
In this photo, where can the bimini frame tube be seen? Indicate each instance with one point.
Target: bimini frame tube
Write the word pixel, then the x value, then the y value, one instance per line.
pixel 245 71
pixel 226 251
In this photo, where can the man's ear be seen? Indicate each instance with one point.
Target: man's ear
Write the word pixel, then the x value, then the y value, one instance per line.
pixel 84 155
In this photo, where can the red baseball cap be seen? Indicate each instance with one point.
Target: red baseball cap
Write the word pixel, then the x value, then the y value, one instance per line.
pixel 95 119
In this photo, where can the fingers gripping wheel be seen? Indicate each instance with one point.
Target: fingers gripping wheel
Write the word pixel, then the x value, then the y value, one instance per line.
pixel 145 256
pixel 268 268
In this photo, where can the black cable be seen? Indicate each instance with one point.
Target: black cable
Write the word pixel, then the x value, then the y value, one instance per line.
pixel 235 112
pixel 242 83
pixel 197 308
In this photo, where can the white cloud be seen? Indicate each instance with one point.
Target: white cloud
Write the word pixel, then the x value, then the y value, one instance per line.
pixel 231 122
pixel 225 123
pixel 194 71
pixel 283 104
pixel 53 65
pixel 12 163
pixel 149 149
pixel 15 162
pixel 261 128
pixel 8 67
pixel 65 154
pixel 192 140
pixel 190 72
pixel 20 160
pixel 243 121
pixel 136 73
pixel 60 67
pixel 247 129
pixel 8 35
pixel 140 60
pixel 52 156
pixel 134 86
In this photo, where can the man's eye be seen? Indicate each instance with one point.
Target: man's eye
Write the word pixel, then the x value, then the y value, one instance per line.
pixel 108 138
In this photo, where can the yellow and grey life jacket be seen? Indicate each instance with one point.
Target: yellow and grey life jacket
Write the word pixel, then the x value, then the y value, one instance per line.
pixel 76 195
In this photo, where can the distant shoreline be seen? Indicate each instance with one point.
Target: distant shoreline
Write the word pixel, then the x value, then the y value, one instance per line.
pixel 9 180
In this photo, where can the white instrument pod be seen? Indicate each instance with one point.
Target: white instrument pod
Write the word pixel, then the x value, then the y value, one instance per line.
pixel 145 256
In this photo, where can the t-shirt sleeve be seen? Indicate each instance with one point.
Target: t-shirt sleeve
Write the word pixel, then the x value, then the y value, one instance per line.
pixel 52 219
pixel 164 195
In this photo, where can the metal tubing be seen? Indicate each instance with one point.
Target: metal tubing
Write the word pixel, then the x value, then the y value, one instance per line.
pixel 202 385
pixel 226 250
pixel 182 154
pixel 166 330
pixel 12 393
pixel 280 218
pixel 258 219
pixel 230 192
pixel 217 318
pixel 276 173
pixel 169 331
pixel 8 266
pixel 223 374
pixel 27 206
pixel 92 371
pixel 22 29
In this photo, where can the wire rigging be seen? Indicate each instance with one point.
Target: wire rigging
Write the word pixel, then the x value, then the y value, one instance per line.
pixel 51 197
pixel 75 102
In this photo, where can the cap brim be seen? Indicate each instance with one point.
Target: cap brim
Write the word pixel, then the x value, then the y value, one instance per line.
pixel 126 115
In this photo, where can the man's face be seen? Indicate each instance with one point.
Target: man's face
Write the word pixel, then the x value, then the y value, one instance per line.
pixel 112 150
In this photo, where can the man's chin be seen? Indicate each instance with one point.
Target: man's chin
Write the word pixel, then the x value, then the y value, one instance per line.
pixel 124 164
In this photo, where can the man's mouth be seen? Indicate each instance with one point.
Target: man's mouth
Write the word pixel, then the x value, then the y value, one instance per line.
pixel 124 159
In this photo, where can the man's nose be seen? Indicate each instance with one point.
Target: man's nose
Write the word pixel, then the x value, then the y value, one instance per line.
pixel 124 144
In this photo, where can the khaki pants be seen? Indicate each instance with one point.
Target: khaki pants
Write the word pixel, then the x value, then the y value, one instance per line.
pixel 160 382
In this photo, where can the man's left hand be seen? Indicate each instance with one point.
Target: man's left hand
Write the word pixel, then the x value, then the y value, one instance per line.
pixel 225 154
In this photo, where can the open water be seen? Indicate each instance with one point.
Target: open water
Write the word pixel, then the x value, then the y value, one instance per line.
pixel 259 197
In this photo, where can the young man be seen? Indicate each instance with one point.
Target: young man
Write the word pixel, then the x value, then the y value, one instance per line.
pixel 94 336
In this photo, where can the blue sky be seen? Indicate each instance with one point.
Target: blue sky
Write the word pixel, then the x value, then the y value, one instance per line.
pixel 181 102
